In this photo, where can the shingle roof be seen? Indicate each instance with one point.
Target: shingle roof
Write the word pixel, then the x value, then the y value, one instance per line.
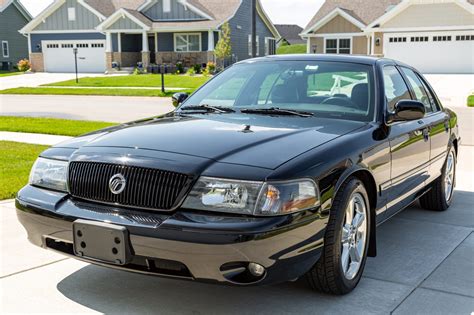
pixel 291 33
pixel 366 11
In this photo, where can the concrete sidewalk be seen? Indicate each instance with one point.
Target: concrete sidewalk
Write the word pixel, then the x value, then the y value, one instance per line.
pixel 32 138
pixel 425 265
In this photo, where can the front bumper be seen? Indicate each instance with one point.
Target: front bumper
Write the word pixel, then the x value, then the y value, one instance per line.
pixel 184 244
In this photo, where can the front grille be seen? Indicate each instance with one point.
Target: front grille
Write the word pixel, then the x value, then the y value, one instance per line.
pixel 145 187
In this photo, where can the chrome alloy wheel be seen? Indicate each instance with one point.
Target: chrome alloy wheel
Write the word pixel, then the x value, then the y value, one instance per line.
pixel 354 236
pixel 449 176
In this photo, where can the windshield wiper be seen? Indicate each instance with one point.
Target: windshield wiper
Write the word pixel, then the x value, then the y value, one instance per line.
pixel 276 111
pixel 208 109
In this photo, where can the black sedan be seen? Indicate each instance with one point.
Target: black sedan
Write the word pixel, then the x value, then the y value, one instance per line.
pixel 277 168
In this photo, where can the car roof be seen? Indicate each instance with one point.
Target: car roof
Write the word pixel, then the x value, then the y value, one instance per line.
pixel 322 57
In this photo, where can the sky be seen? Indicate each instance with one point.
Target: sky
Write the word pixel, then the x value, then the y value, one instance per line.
pixel 280 11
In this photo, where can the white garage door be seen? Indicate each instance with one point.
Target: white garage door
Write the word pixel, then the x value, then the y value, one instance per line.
pixel 59 57
pixel 451 52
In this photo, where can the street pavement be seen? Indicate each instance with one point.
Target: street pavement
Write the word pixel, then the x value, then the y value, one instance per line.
pixel 425 265
pixel 100 108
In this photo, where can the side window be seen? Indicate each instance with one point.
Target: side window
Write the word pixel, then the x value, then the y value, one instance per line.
pixel 434 103
pixel 395 87
pixel 417 86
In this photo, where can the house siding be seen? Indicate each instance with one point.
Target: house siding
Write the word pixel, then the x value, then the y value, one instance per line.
pixel 166 41
pixel 338 25
pixel 178 12
pixel 441 14
pixel 11 20
pixel 241 28
pixel 124 23
pixel 36 39
pixel 85 19
pixel 317 42
pixel 359 45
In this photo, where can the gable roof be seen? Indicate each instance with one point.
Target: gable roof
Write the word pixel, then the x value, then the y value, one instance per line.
pixel 291 33
pixel 6 3
pixel 365 11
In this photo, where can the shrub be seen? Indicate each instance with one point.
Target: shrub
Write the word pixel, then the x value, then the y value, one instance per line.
pixel 470 100
pixel 179 67
pixel 23 65
pixel 197 68
pixel 137 71
pixel 210 69
pixel 191 71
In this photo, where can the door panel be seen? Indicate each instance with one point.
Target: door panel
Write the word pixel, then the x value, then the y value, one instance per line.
pixel 409 147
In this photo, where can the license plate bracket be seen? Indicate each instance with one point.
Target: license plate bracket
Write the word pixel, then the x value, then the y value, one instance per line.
pixel 102 242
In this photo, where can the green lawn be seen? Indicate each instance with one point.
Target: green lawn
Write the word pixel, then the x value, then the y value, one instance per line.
pixel 16 160
pixel 144 80
pixel 470 100
pixel 4 73
pixel 51 126
pixel 292 49
pixel 88 91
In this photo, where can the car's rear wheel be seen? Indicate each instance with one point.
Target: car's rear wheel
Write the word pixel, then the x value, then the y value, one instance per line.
pixel 342 262
pixel 442 190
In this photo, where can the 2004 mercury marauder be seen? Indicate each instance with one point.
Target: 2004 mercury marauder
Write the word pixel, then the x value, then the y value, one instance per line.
pixel 277 168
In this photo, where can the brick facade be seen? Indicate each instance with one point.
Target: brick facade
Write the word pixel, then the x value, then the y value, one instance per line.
pixel 37 62
pixel 188 59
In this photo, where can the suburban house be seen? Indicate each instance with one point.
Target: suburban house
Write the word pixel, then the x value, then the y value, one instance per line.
pixel 290 34
pixel 126 32
pixel 13 16
pixel 436 36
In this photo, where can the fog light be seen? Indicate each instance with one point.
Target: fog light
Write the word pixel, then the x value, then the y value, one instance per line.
pixel 256 269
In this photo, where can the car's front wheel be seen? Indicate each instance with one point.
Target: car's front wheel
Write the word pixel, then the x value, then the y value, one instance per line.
pixel 442 190
pixel 342 262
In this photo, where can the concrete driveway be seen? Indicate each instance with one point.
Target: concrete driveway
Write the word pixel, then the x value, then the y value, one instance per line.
pixel 425 265
pixel 39 78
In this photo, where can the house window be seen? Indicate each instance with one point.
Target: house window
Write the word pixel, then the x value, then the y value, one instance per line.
pixel 397 39
pixel 71 14
pixel 257 39
pixel 187 42
pixel 420 39
pixel 166 6
pixel 442 38
pixel 464 37
pixel 5 49
pixel 270 46
pixel 338 46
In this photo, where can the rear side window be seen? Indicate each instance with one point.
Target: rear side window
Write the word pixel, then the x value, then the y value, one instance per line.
pixel 395 87
pixel 419 89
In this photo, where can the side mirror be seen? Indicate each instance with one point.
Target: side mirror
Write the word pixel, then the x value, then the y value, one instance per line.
pixel 179 98
pixel 407 110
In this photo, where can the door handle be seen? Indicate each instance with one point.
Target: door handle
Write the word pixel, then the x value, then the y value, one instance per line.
pixel 426 134
pixel 446 125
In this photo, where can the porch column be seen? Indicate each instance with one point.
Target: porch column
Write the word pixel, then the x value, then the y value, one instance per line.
pixel 368 44
pixel 210 41
pixel 145 50
pixel 119 42
pixel 373 44
pixel 109 55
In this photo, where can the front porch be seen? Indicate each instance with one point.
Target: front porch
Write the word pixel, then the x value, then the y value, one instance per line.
pixel 130 49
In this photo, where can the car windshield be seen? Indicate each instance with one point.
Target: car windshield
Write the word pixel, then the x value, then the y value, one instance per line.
pixel 323 89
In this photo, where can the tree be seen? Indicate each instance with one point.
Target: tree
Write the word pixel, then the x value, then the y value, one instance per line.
pixel 223 49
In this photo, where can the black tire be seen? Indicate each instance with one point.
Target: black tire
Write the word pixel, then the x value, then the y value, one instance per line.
pixel 327 275
pixel 435 199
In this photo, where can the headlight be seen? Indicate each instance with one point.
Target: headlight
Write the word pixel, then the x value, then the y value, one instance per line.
pixel 51 174
pixel 252 198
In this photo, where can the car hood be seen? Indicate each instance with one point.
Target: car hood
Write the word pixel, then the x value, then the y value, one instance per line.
pixel 252 140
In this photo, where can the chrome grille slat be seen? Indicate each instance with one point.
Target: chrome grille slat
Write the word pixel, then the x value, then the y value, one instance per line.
pixel 145 188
